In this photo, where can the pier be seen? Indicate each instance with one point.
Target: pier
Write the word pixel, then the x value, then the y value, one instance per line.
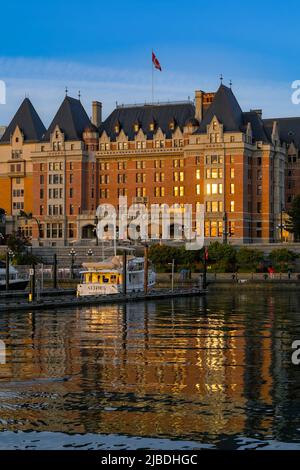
pixel 10 302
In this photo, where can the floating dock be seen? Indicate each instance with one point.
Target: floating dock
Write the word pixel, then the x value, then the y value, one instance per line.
pixel 8 304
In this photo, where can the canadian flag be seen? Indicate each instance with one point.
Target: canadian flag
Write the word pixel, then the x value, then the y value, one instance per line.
pixel 155 62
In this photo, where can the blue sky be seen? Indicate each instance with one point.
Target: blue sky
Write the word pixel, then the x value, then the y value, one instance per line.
pixel 104 49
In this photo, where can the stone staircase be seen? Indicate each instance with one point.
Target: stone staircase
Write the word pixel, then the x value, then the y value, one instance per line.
pixel 98 253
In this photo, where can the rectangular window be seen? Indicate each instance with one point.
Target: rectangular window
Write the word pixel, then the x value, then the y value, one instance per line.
pixel 213 228
pixel 259 207
pixel 232 188
pixel 231 173
pixel 197 174
pixel 231 227
pixel 198 189
pixel 214 173
pixel 231 206
pixel 214 188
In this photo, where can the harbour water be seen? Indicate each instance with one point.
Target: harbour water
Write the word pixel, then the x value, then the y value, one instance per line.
pixel 212 372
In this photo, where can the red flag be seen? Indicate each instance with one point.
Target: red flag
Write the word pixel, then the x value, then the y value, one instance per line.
pixel 155 62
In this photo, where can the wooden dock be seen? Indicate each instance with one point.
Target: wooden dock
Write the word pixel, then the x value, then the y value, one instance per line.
pixel 16 304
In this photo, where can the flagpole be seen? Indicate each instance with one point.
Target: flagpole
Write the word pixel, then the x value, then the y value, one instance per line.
pixel 152 77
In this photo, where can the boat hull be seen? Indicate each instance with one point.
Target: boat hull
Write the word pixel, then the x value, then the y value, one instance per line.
pixel 18 285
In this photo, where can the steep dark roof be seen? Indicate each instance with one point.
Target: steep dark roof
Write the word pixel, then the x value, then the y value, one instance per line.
pixel 226 108
pixel 29 123
pixel 161 114
pixel 71 118
pixel 289 129
pixel 260 133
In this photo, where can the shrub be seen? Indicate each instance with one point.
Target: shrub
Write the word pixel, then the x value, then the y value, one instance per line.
pixel 248 259
pixel 222 258
pixel 283 259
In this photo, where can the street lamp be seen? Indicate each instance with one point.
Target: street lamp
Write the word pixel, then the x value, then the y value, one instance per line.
pixel 282 225
pixel 73 256
pixel 9 255
pixel 90 252
pixel 96 220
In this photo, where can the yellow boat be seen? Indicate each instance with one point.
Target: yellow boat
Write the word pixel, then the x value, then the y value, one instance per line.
pixel 104 278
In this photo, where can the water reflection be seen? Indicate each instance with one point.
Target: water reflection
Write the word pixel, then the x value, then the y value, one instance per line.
pixel 211 370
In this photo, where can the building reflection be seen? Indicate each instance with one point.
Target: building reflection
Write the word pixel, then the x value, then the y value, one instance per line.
pixel 183 368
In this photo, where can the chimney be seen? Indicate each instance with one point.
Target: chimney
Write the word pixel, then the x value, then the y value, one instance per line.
pixel 96 113
pixel 257 111
pixel 198 105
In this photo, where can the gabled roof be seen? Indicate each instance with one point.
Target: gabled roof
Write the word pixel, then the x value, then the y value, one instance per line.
pixel 227 110
pixel 289 129
pixel 71 118
pixel 161 114
pixel 260 133
pixel 29 122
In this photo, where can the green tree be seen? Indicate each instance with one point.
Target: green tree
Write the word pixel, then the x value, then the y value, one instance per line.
pixel 162 256
pixel 18 244
pixel 222 257
pixel 248 259
pixel 293 222
pixel 283 259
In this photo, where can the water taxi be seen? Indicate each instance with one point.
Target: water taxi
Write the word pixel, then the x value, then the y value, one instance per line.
pixel 103 278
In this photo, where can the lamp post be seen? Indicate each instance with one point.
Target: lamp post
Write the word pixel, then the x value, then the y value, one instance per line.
pixel 72 254
pixel 9 254
pixel 96 220
pixel 282 225
pixel 225 232
pixel 90 253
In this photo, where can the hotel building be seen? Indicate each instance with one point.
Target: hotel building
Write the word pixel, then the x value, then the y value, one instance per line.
pixel 243 168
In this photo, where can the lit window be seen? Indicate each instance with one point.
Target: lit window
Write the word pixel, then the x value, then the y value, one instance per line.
pixel 197 174
pixel 214 188
pixel 232 173
pixel 198 189
pixel 231 206
pixel 232 188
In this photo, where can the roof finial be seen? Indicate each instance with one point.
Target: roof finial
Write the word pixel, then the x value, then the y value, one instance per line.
pixel 66 91
pixel 79 95
pixel 230 84
pixel 221 78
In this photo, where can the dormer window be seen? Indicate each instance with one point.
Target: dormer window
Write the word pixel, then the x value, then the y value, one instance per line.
pixel 215 125
pixel 136 127
pixel 152 126
pixel 117 128
pixel 56 134
pixel 172 125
